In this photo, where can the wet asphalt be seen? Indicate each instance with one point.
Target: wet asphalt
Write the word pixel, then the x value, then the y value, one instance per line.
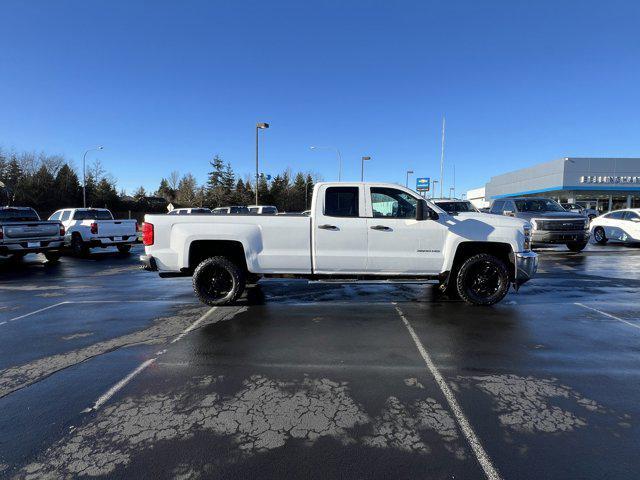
pixel 109 371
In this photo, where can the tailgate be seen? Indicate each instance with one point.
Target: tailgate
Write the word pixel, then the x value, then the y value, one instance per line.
pixel 116 228
pixel 28 230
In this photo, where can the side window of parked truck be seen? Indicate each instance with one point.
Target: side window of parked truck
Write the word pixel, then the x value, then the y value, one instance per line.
pixel 65 215
pixel 341 202
pixel 497 207
pixel 391 203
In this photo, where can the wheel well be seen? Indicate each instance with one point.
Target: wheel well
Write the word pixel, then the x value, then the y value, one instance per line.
pixel 466 250
pixel 202 249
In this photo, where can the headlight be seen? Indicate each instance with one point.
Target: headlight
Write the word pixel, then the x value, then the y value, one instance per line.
pixel 527 238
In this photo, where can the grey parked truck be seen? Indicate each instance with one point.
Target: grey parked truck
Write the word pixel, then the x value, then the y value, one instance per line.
pixel 551 224
pixel 22 232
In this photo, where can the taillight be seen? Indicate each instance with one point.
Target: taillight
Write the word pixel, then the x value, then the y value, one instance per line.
pixel 62 231
pixel 147 233
pixel 94 227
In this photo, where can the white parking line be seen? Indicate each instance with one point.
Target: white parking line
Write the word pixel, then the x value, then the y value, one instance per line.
pixel 481 455
pixel 607 314
pixel 88 302
pixel 140 368
pixel 34 312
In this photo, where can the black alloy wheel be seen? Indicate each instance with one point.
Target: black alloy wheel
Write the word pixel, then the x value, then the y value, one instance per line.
pixel 483 280
pixel 218 281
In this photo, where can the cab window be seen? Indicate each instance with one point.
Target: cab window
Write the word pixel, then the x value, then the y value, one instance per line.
pixel 341 202
pixel 497 207
pixel 631 216
pixel 55 216
pixel 65 215
pixel 392 203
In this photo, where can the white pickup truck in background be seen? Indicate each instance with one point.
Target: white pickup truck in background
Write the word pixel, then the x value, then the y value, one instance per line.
pixel 95 227
pixel 355 230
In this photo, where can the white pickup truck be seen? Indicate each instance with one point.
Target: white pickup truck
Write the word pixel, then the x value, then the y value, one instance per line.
pixel 355 230
pixel 95 227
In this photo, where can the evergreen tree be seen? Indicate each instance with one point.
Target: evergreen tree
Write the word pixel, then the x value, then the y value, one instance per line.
pixel 105 195
pixel 187 190
pixel 165 191
pixel 66 188
pixel 140 193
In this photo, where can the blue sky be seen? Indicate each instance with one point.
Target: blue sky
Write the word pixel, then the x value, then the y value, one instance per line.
pixel 166 85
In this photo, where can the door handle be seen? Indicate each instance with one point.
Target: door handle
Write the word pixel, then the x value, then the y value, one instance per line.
pixel 328 227
pixel 381 227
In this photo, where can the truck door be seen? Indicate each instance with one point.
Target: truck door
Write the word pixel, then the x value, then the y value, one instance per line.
pixel 339 232
pixel 397 242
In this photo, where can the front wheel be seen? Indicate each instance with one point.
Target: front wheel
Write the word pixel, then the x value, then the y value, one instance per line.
pixel 599 236
pixel 124 248
pixel 483 280
pixel 576 246
pixel 218 281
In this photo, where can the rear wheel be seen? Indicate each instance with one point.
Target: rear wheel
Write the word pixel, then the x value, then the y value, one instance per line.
pixel 52 257
pixel 124 248
pixel 483 280
pixel 218 281
pixel 78 247
pixel 599 236
pixel 17 257
pixel 576 246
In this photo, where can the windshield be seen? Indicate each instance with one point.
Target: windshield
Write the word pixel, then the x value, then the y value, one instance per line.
pixel 538 205
pixel 92 215
pixel 456 207
pixel 19 214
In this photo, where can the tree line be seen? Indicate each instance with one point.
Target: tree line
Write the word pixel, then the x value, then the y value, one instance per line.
pixel 49 182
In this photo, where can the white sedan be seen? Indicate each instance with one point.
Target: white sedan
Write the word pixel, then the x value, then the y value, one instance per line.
pixel 619 225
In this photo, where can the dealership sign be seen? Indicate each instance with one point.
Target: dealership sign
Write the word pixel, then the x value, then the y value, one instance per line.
pixel 607 179
pixel 423 184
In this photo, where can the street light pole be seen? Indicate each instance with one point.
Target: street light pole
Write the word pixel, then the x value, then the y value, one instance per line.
pixel 434 189
pixel 362 168
pixel 407 182
pixel 84 174
pixel 259 126
pixel 339 155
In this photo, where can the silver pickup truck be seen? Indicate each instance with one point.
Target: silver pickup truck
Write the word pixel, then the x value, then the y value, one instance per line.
pixel 22 232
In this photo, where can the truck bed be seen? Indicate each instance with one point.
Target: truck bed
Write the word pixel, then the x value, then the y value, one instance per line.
pixel 270 241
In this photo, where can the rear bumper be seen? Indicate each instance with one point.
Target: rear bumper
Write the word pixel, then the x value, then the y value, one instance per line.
pixel 148 263
pixel 111 241
pixel 526 267
pixel 545 236
pixel 23 247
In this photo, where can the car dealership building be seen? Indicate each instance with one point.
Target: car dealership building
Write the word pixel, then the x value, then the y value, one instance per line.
pixel 601 183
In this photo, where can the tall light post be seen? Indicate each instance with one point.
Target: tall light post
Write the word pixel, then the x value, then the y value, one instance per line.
pixel 259 126
pixel 339 155
pixel 452 192
pixel 433 195
pixel 364 159
pixel 84 174
pixel 407 182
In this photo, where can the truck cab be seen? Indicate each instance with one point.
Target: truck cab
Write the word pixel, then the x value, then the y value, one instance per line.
pixel 355 231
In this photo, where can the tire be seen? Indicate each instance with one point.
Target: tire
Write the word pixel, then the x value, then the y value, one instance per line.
pixel 218 281
pixel 483 280
pixel 52 257
pixel 78 247
pixel 599 236
pixel 124 248
pixel 576 246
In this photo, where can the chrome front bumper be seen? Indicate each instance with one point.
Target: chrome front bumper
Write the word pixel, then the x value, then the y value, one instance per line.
pixel 526 267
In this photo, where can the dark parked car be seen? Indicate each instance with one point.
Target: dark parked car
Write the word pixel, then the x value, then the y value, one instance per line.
pixel 22 232
pixel 551 224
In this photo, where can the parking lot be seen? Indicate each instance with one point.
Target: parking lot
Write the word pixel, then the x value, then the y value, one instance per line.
pixel 106 370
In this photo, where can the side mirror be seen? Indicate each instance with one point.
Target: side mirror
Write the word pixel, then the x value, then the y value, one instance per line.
pixel 423 212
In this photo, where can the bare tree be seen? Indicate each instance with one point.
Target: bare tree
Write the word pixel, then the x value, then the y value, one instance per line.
pixel 174 179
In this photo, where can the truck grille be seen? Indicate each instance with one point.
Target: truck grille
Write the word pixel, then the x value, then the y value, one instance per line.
pixel 560 225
